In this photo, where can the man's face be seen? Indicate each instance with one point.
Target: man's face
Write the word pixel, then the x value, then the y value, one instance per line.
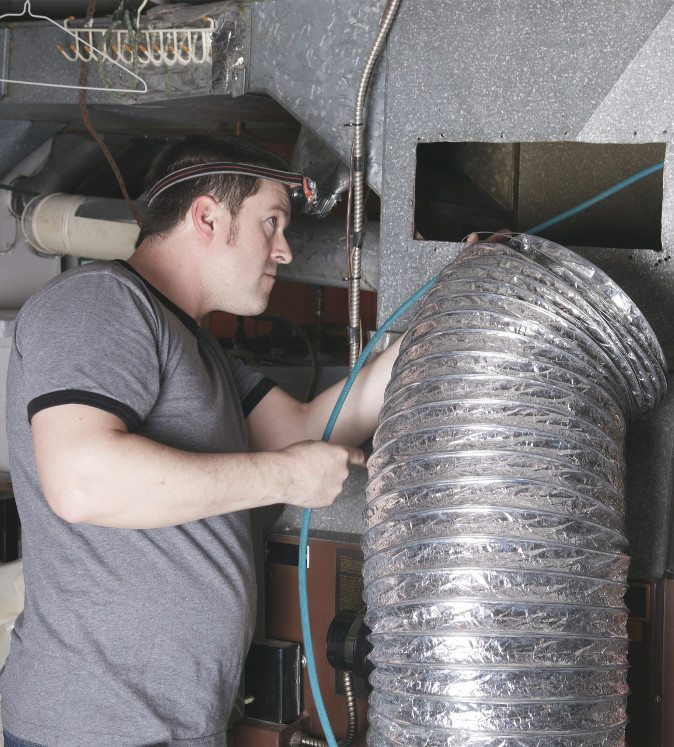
pixel 254 246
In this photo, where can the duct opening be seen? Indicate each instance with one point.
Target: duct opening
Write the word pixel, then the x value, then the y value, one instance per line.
pixel 465 187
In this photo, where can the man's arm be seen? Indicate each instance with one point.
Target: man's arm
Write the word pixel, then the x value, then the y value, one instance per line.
pixel 94 471
pixel 279 419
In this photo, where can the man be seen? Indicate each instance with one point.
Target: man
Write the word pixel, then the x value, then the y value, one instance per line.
pixel 136 448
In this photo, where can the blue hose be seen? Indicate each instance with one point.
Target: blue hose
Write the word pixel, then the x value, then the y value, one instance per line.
pixel 306 516
pixel 597 198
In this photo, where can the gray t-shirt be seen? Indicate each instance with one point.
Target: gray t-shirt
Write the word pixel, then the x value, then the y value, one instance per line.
pixel 127 636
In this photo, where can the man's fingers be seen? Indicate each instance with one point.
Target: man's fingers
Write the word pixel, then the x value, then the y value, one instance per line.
pixel 504 233
pixel 357 457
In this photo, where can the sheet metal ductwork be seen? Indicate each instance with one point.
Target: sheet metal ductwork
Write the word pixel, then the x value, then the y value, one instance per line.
pixel 495 552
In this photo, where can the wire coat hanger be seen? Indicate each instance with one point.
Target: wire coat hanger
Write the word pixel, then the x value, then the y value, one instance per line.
pixel 27 10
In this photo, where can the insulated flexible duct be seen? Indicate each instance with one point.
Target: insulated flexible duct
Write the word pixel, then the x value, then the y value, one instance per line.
pixel 495 555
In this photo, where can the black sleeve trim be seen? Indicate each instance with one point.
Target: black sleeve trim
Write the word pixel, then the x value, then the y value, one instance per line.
pixel 256 394
pixel 80 397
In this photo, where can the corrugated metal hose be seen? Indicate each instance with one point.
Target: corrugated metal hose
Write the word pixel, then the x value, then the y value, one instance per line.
pixel 495 550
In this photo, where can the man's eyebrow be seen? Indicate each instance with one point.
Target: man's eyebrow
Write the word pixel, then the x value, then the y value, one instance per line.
pixel 282 208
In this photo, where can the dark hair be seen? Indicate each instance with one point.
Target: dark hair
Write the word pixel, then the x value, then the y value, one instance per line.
pixel 170 207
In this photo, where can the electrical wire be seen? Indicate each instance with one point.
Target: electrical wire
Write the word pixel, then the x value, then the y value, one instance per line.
pixel 82 100
pixel 131 30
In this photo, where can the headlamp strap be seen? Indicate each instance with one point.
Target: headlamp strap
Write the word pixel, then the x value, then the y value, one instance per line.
pixel 299 184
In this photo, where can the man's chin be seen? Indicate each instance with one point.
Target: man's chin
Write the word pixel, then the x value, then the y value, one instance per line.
pixel 251 309
pixel 259 308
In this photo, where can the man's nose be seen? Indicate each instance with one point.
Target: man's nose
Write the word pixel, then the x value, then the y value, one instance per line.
pixel 282 252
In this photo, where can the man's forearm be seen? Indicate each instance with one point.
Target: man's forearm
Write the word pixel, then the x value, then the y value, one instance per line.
pixel 128 481
pixel 359 415
pixel 93 471
pixel 279 419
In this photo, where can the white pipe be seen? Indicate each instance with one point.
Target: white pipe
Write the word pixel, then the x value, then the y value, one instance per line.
pixel 57 224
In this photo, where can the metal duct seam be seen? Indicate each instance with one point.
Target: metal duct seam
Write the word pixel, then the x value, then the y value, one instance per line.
pixel 495 550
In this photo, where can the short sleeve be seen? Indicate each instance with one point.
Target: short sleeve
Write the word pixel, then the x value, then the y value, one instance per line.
pixel 91 339
pixel 256 395
pixel 251 386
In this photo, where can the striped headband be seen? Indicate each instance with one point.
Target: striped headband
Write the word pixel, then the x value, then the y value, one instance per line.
pixel 302 189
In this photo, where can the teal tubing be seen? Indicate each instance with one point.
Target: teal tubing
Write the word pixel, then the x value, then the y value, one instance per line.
pixel 597 198
pixel 306 516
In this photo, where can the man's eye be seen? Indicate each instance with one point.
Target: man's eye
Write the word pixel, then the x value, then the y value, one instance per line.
pixel 273 221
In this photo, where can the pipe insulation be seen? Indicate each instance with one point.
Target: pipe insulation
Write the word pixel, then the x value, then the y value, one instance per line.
pixel 495 550
pixel 92 227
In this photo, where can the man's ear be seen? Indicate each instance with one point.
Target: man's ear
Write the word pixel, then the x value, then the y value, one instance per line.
pixel 208 217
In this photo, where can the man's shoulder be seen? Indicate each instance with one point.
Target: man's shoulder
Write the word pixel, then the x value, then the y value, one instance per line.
pixel 96 269
pixel 96 289
pixel 95 276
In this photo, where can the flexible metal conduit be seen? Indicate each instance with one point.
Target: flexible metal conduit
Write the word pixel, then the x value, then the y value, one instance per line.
pixel 358 176
pixel 495 555
pixel 303 740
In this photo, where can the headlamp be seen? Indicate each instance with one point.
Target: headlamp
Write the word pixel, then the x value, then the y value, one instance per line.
pixel 303 190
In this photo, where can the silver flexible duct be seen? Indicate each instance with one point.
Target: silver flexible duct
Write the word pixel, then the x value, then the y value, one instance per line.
pixel 495 555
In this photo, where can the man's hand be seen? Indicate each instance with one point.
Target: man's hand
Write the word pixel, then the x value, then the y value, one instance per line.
pixel 504 233
pixel 312 473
